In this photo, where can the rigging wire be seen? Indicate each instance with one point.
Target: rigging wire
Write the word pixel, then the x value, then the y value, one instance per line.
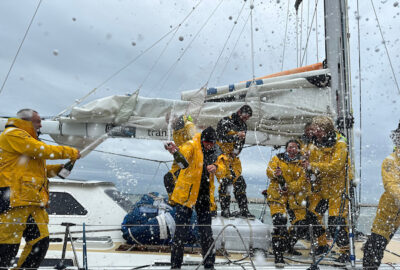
pixel 226 42
pixel 360 98
pixel 301 32
pixel 309 33
pixel 284 40
pixel 165 77
pixel 252 38
pixel 234 46
pixel 78 101
pixel 386 49
pixel 308 27
pixel 118 154
pixel 316 30
pixel 297 38
pixel 20 46
pixel 166 46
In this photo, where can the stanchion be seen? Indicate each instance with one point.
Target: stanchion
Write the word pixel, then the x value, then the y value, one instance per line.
pixel 314 265
pixel 61 264
pixel 84 247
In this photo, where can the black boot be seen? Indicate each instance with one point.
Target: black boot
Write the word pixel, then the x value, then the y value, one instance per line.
pixel 373 251
pixel 279 261
pixel 320 250
pixel 278 246
pixel 343 258
pixel 290 245
pixel 241 198
pixel 244 210
pixel 225 197
pixel 225 201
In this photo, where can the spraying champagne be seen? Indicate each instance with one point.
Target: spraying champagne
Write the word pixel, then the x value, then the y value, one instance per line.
pixel 67 168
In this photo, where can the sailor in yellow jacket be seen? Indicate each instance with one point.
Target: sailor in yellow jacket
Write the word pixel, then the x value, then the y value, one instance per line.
pixel 287 195
pixel 387 219
pixel 329 161
pixel 183 130
pixel 24 189
pixel 231 132
pixel 192 191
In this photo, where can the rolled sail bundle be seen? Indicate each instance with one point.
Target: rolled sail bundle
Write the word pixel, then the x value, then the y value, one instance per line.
pixel 281 107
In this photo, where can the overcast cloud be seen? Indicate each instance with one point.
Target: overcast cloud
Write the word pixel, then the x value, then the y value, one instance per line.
pixel 73 46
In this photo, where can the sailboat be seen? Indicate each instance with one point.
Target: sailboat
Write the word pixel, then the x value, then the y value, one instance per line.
pixel 282 104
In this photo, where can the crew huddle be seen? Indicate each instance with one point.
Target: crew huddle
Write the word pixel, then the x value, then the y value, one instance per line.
pixel 311 177
pixel 308 179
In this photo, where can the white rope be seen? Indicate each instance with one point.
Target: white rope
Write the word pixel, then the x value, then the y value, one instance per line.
pixel 284 40
pixel 384 44
pixel 216 238
pixel 20 46
pixel 258 146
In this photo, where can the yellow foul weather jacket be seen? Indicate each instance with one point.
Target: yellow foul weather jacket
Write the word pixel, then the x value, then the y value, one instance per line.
pixel 188 184
pixel 387 219
pixel 329 164
pixel 298 188
pixel 185 133
pixel 233 168
pixel 180 136
pixel 23 166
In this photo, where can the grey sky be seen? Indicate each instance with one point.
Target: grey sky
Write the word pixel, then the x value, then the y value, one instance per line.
pixel 73 46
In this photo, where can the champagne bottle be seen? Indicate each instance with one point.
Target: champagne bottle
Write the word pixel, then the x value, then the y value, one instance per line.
pixel 180 160
pixel 66 170
pixel 282 183
pixel 178 157
pixel 312 178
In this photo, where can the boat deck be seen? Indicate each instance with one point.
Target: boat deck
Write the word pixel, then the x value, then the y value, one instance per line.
pixel 122 256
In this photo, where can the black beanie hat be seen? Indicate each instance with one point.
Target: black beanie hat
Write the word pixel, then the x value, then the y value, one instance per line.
pixel 209 135
pixel 246 109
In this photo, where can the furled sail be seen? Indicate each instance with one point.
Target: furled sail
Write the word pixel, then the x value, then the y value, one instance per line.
pixel 281 106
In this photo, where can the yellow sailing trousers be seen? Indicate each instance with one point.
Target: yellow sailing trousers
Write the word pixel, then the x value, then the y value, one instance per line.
pixel 28 221
pixel 387 219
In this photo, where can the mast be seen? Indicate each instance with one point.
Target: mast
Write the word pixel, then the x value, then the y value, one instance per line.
pixel 337 56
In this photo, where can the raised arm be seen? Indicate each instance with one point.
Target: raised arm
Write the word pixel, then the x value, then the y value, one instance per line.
pixel 225 132
pixel 338 162
pixel 391 178
pixel 21 142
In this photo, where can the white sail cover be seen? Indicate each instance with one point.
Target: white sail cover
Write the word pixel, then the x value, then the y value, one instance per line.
pixel 281 106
